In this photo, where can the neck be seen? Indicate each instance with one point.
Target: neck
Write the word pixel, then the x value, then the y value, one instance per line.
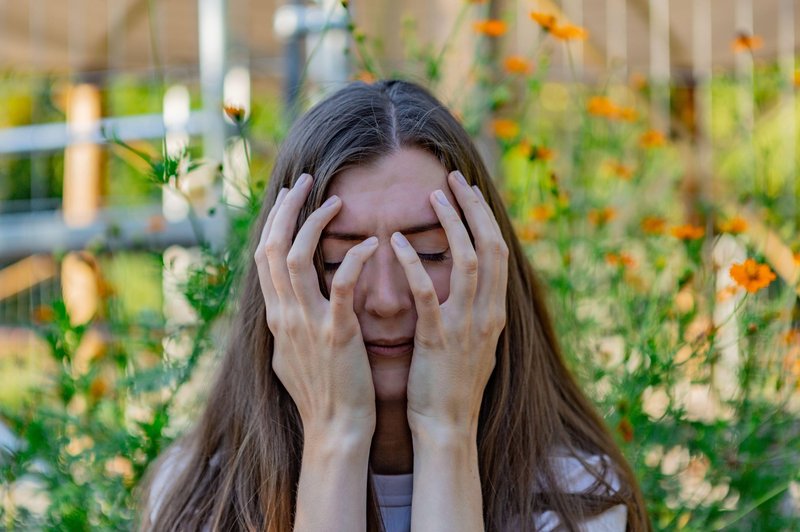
pixel 392 449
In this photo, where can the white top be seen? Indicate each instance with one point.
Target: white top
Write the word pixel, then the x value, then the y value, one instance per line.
pixel 395 492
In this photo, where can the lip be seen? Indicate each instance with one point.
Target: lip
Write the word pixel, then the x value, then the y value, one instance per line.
pixel 393 351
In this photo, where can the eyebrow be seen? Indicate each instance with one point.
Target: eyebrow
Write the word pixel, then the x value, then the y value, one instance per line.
pixel 407 231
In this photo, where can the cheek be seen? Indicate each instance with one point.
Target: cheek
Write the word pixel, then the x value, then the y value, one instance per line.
pixel 440 276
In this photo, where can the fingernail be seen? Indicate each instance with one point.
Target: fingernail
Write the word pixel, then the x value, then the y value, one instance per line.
pixel 371 241
pixel 441 197
pixel 460 177
pixel 330 201
pixel 302 181
pixel 400 240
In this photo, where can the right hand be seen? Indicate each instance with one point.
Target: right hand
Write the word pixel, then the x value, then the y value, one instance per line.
pixel 319 353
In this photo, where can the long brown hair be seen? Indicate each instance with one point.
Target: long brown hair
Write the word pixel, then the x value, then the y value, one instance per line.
pixel 531 405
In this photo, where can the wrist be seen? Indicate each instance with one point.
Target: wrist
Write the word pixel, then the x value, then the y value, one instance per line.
pixel 337 439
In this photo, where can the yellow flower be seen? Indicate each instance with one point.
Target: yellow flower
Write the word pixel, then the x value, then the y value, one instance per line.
pixel 517 64
pixel 653 225
pixel 688 232
pixel 546 21
pixel 745 42
pixel 652 139
pixel 734 226
pixel 490 27
pixel 505 129
pixel 569 32
pixel 751 275
pixel 796 78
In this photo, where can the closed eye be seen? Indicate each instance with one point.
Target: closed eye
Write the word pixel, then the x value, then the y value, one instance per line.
pixel 426 257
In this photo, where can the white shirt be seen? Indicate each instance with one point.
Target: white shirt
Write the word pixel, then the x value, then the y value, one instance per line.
pixel 395 493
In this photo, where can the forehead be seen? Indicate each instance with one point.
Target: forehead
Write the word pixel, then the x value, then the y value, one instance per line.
pixel 388 195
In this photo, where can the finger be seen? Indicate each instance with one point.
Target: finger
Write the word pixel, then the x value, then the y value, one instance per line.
pixel 262 264
pixel 279 239
pixel 425 298
pixel 344 281
pixel 488 243
pixel 501 287
pixel 271 216
pixel 299 262
pixel 464 278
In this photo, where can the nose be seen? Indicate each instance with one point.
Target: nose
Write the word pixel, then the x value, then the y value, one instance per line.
pixel 382 289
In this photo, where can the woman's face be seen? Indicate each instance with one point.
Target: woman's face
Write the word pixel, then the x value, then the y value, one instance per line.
pixel 387 196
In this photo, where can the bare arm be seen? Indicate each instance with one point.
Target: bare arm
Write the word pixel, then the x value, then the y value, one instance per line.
pixel 447 487
pixel 332 493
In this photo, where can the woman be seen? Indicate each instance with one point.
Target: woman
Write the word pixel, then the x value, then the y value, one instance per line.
pixel 395 372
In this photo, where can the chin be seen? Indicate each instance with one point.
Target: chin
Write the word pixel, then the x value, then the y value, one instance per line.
pixel 390 383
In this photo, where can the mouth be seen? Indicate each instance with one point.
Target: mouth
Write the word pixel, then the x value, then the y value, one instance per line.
pixel 390 351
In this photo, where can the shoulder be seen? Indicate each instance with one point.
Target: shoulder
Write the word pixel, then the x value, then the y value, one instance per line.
pixel 579 473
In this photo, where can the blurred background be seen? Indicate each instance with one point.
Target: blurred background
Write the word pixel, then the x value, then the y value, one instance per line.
pixel 645 149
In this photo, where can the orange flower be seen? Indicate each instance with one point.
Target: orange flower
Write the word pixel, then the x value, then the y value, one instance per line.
pixel 652 139
pixel 505 129
pixel 797 258
pixel 235 112
pixel 620 170
pixel 792 336
pixel 569 32
pixel 516 64
pixel 752 275
pixel 602 216
pixel 734 226
pixel 653 225
pixel 156 224
pixel 546 21
pixel 688 232
pixel 366 76
pixel 625 430
pixel 490 27
pixel 601 106
pixel 541 213
pixel 638 81
pixel 627 114
pixel 542 153
pixel 528 233
pixel 745 42
pixel 622 259
pixel 43 314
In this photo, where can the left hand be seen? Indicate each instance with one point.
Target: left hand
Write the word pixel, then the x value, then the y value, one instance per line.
pixel 455 342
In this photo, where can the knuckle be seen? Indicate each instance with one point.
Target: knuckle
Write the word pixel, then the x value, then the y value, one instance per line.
pixel 500 248
pixel 341 286
pixel 469 263
pixel 428 296
pixel 295 262
pixel 272 248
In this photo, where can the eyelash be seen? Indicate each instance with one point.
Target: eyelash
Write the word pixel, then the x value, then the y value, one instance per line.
pixel 434 257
